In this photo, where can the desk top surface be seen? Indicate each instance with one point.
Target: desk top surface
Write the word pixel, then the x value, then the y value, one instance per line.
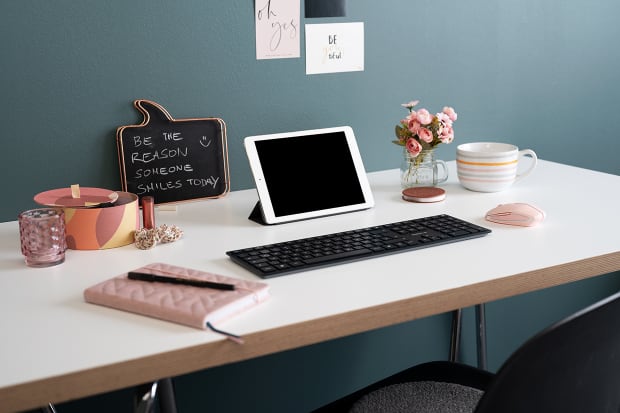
pixel 58 347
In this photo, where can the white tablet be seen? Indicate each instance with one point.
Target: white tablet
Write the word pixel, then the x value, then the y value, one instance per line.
pixel 308 174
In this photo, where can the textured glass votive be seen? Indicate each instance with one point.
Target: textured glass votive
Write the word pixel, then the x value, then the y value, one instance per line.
pixel 42 236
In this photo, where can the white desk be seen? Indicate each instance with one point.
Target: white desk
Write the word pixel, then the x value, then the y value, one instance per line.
pixel 55 347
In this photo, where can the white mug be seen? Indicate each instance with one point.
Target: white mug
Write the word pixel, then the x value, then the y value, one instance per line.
pixel 491 166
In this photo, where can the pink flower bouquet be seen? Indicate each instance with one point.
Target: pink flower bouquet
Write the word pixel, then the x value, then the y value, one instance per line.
pixel 421 130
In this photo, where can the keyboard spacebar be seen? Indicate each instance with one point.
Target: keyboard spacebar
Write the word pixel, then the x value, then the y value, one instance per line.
pixel 336 257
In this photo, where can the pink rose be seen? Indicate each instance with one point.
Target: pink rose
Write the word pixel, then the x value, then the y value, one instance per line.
pixel 443 118
pixel 411 117
pixel 413 147
pixel 450 112
pixel 447 134
pixel 424 117
pixel 425 135
pixel 414 127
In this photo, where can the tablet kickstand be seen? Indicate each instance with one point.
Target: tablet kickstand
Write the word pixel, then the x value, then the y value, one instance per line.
pixel 257 214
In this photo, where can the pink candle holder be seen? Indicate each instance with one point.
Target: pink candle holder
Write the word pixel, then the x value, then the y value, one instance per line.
pixel 42 236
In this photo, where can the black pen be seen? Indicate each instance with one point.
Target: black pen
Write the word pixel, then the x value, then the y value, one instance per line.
pixel 141 276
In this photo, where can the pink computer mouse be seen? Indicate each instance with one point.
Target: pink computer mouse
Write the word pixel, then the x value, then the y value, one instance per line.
pixel 522 214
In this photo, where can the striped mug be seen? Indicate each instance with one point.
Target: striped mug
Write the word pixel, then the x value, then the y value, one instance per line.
pixel 491 166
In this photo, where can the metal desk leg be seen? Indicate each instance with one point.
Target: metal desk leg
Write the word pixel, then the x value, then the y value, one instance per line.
pixel 145 397
pixel 48 409
pixel 481 336
pixel 455 336
pixel 167 401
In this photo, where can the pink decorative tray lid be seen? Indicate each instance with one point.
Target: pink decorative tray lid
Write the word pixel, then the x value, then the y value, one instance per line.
pixel 76 196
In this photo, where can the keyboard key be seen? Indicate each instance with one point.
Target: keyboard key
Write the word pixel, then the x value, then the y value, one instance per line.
pixel 335 257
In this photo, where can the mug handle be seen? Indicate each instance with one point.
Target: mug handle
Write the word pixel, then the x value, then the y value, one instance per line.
pixel 523 153
pixel 444 178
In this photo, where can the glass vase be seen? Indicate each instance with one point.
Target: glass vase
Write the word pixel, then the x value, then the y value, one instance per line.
pixel 422 170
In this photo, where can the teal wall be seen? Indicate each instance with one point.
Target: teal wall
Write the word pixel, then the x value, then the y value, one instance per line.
pixel 541 74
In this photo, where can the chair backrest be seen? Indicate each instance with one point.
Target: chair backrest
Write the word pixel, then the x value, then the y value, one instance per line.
pixel 572 366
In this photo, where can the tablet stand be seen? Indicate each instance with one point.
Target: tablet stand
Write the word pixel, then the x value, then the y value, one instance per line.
pixel 257 214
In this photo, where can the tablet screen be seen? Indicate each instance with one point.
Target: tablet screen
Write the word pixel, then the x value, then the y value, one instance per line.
pixel 308 173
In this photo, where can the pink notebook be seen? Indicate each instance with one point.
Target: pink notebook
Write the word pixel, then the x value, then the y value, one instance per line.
pixel 193 306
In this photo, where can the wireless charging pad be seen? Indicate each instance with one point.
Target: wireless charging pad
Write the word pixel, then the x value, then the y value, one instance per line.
pixel 424 194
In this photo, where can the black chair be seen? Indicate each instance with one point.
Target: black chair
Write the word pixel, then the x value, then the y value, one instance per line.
pixel 572 366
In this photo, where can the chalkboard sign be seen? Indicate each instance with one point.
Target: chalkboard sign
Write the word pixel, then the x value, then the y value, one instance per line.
pixel 173 159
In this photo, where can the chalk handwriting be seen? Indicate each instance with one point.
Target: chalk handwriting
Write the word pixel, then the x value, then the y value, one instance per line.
pixel 202 182
pixel 142 141
pixel 204 143
pixel 158 186
pixel 164 153
pixel 149 187
pixel 162 170
pixel 172 136
pixel 163 164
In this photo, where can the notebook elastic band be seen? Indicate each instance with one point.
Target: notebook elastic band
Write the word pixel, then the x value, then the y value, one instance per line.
pixel 230 336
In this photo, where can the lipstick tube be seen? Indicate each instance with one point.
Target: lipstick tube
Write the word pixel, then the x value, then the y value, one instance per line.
pixel 148 212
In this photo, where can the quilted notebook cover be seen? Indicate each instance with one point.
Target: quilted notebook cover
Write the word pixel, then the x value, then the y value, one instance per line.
pixel 192 306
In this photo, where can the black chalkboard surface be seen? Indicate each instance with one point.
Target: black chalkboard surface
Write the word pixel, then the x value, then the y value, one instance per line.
pixel 173 159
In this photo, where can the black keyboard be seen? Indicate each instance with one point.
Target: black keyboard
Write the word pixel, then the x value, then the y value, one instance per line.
pixel 308 253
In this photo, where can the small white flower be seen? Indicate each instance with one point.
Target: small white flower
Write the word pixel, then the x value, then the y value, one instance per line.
pixel 411 104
